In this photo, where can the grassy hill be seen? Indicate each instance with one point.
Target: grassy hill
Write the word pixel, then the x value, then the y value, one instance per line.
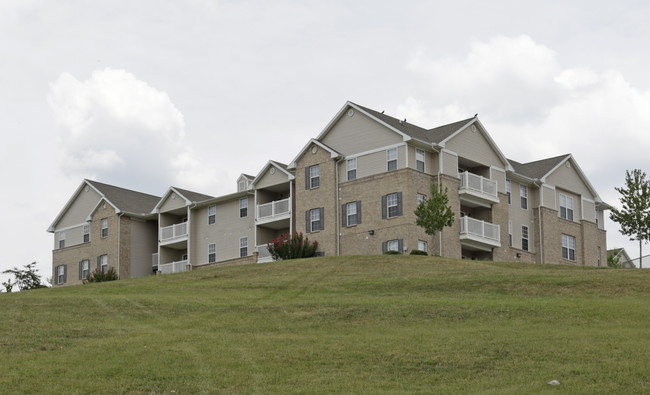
pixel 367 324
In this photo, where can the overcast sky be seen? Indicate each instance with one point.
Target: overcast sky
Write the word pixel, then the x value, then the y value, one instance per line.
pixel 149 94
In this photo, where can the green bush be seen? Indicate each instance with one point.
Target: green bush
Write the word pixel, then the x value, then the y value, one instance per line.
pixel 292 247
pixel 418 252
pixel 391 252
pixel 99 276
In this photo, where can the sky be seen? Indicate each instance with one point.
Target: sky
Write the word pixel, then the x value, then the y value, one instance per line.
pixel 149 94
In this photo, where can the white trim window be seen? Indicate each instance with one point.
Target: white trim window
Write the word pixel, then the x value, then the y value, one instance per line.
pixel 314 176
pixel 392 205
pixel 421 198
pixel 566 207
pixel 86 235
pixel 102 263
pixel 212 214
pixel 351 213
pixel 351 167
pixel 391 159
pixel 419 159
pixel 509 191
pixel 422 246
pixel 243 207
pixel 568 247
pixel 315 220
pixel 61 239
pixel 596 213
pixel 524 237
pixel 523 193
pixel 104 227
pixel 510 233
pixel 243 246
pixel 61 274
pixel 392 245
pixel 212 253
pixel 84 269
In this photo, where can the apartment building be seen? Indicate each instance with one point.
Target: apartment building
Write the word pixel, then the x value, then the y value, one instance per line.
pixel 354 189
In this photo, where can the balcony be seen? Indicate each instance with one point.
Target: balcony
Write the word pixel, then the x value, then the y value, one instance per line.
pixel 174 236
pixel 174 267
pixel 477 191
pixel 278 212
pixel 479 235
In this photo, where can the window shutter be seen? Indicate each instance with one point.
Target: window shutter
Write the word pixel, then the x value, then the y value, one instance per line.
pixel 80 269
pixel 307 219
pixel 400 245
pixel 322 218
pixel 344 215
pixel 65 273
pixel 307 183
pixel 383 207
pixel 384 246
pixel 99 263
pixel 358 211
pixel 399 203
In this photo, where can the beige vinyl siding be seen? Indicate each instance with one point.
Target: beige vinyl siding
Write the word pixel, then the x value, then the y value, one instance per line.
pixel 269 179
pixel 170 204
pixel 588 211
pixel 474 145
pixel 73 236
pixel 449 164
pixel 373 163
pixel 548 196
pixel 430 160
pixel 144 243
pixel 225 232
pixel 79 209
pixel 569 179
pixel 520 217
pixel 500 177
pixel 358 133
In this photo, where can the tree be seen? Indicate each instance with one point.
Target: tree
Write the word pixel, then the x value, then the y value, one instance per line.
pixel 434 213
pixel 25 278
pixel 634 217
pixel 613 261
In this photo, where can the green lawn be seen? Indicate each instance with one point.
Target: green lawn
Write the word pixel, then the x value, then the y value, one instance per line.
pixel 366 324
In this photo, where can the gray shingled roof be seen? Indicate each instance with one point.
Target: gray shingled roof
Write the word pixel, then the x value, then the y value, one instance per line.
pixel 537 169
pixel 434 135
pixel 127 200
pixel 193 196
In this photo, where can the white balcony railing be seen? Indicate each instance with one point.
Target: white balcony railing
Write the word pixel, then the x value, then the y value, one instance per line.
pixel 479 184
pixel 481 229
pixel 173 232
pixel 174 267
pixel 273 209
pixel 154 259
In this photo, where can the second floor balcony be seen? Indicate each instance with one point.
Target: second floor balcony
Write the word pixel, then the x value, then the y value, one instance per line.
pixel 173 235
pixel 478 191
pixel 479 235
pixel 273 211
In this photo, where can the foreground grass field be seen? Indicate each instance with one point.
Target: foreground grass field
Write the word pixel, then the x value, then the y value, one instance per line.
pixel 367 324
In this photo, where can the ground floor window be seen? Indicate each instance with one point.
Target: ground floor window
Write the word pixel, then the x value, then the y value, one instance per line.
pixel 392 245
pixel 568 247
pixel 524 237
pixel 212 253
pixel 84 269
pixel 422 246
pixel 243 247
pixel 61 274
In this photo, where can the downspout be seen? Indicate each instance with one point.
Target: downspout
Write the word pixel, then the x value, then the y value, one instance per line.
pixel 189 239
pixel 119 237
pixel 539 217
pixel 338 214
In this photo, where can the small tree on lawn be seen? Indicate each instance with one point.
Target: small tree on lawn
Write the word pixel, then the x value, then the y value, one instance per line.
pixel 634 217
pixel 25 278
pixel 613 261
pixel 434 213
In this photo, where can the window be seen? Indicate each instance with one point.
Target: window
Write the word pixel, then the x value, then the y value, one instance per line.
pixel 212 214
pixel 104 227
pixel 419 159
pixel 391 158
pixel 568 247
pixel 86 233
pixel 391 205
pixel 351 166
pixel 421 198
pixel 61 274
pixel 243 207
pixel 102 263
pixel 422 246
pixel 392 245
pixel 596 213
pixel 243 247
pixel 314 219
pixel 566 207
pixel 523 193
pixel 599 252
pixel 509 191
pixel 212 253
pixel 84 269
pixel 524 237
pixel 61 239
pixel 351 213
pixel 510 233
pixel 312 177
